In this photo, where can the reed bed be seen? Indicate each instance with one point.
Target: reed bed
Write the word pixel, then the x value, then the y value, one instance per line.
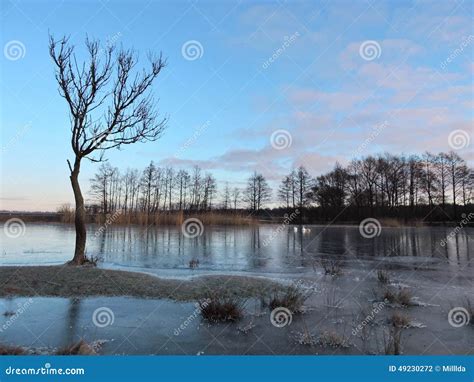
pixel 172 218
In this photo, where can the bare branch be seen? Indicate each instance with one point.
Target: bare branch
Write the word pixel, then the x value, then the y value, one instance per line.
pixel 106 114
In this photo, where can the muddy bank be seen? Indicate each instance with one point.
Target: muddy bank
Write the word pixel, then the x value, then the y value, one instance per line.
pixel 67 281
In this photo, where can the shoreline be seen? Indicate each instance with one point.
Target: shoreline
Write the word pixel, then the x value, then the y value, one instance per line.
pixel 239 218
pixel 69 281
pixel 398 224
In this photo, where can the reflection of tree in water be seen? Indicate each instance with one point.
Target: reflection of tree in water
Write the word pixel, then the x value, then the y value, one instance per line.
pixel 72 319
pixel 249 247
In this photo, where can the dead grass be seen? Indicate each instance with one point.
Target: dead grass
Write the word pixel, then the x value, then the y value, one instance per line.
pixel 333 339
pixel 331 267
pixel 396 222
pixel 11 350
pixel 84 281
pixel 383 277
pixel 399 320
pixel 176 218
pixel 66 213
pixel 291 298
pixel 79 348
pixel 218 309
pixel 401 296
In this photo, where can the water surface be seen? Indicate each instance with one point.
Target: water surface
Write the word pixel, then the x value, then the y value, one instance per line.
pixel 260 249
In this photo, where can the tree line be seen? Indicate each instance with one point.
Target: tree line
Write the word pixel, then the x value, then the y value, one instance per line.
pixel 371 183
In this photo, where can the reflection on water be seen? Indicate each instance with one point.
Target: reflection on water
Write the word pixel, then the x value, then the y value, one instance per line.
pixel 265 248
pixel 45 324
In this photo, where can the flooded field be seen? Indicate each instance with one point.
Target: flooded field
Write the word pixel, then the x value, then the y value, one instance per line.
pixel 348 309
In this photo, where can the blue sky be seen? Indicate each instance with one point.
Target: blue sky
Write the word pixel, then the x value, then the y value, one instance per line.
pixel 321 88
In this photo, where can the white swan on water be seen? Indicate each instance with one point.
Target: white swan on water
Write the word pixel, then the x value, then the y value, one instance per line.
pixel 303 229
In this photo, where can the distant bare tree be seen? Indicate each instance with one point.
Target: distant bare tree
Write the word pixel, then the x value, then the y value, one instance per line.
pixel 257 192
pixel 303 186
pixel 284 191
pixel 235 197
pixel 109 106
pixel 226 202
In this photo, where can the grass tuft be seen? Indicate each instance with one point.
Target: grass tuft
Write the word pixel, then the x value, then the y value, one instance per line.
pixel 399 320
pixel 11 350
pixel 291 298
pixel 221 309
pixel 332 339
pixel 401 296
pixel 79 348
pixel 331 267
pixel 383 277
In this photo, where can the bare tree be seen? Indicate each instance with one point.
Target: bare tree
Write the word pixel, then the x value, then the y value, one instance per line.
pixel 109 106
pixel 284 191
pixel 182 183
pixel 455 163
pixel 226 197
pixel 442 169
pixel 257 192
pixel 303 186
pixel 235 197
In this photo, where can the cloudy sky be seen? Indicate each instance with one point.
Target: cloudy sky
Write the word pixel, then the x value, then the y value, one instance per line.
pixel 249 86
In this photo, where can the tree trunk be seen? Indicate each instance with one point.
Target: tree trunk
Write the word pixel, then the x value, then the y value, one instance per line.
pixel 80 218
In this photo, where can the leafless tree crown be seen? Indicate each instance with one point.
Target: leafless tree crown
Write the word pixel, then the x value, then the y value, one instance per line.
pixel 109 99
